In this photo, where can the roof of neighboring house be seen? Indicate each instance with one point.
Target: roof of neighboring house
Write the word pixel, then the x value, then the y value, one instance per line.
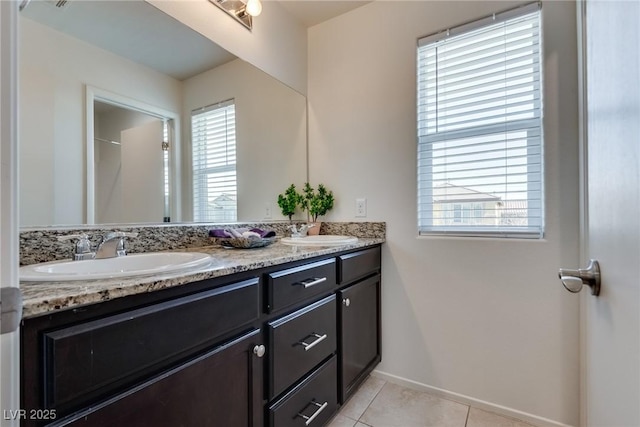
pixel 223 201
pixel 454 193
pixel 224 197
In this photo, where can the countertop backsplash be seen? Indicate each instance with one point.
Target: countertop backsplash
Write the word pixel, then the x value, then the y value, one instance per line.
pixel 42 244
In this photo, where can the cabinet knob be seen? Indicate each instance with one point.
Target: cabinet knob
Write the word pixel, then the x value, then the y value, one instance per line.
pixel 346 302
pixel 259 350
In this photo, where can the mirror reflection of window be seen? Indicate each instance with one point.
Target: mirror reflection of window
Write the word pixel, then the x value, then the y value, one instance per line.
pixel 213 151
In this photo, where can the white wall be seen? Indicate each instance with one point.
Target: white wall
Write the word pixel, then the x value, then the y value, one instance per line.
pixel 277 44
pixel 270 133
pixel 486 319
pixel 54 69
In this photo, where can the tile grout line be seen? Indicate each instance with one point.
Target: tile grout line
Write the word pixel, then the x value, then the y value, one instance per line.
pixel 466 421
pixel 370 402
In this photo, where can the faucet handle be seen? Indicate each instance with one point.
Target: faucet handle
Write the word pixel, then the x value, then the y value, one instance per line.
pixel 72 236
pixel 295 232
pixel 118 234
pixel 82 248
pixel 302 231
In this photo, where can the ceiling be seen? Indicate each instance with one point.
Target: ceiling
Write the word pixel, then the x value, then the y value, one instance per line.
pixel 140 32
pixel 313 12
pixel 135 30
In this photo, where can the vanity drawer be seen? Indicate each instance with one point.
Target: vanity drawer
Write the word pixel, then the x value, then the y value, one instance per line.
pixel 299 342
pixel 312 403
pixel 357 265
pixel 286 287
pixel 112 352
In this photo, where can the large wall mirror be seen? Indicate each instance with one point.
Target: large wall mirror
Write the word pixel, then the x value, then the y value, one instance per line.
pixel 109 93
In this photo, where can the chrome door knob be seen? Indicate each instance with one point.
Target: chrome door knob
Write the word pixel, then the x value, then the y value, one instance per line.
pixel 346 302
pixel 259 350
pixel 573 280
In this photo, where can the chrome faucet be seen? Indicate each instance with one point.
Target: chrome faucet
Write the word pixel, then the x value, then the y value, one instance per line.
pixel 302 232
pixel 112 245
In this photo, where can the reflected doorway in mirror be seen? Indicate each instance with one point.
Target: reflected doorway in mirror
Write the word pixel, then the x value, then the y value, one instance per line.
pixel 131 170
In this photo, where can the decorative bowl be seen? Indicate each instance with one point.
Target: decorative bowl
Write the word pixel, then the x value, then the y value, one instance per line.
pixel 246 242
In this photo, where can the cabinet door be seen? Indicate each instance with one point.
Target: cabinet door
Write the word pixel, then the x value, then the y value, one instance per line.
pixel 223 387
pixel 359 332
pixel 116 352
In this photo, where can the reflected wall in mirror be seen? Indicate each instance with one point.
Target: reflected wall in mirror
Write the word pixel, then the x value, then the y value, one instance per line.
pixel 59 71
pixel 129 146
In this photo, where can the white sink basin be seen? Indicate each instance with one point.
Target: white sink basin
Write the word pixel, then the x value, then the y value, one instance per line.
pixel 125 266
pixel 319 240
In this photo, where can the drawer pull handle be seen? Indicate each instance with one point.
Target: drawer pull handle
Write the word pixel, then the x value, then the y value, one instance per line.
pixel 310 419
pixel 318 339
pixel 311 282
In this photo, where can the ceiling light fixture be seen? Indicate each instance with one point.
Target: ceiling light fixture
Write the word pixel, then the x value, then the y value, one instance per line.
pixel 254 7
pixel 241 10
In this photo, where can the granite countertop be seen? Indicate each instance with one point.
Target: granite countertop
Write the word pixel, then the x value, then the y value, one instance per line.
pixel 41 298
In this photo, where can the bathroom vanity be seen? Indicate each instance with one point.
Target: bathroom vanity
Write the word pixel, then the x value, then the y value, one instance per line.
pixel 280 342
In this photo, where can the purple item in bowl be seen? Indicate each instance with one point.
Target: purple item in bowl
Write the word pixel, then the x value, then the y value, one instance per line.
pixel 264 233
pixel 219 233
pixel 223 234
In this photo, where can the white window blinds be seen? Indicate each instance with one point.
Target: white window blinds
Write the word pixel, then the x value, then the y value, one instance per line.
pixel 480 128
pixel 213 136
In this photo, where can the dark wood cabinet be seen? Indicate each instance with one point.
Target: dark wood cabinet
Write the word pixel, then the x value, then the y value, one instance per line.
pixel 297 284
pixel 299 342
pixel 109 353
pixel 311 403
pixel 359 319
pixel 283 345
pixel 222 387
pixel 358 265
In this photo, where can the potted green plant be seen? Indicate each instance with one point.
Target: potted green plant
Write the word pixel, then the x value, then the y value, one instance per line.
pixel 316 203
pixel 289 201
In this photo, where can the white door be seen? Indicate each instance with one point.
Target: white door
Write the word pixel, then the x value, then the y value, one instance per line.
pixel 9 342
pixel 142 173
pixel 611 390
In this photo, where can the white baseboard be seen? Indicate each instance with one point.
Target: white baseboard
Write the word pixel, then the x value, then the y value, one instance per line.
pixel 476 403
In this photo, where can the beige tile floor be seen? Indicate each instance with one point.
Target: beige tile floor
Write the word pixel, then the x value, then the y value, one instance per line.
pixel 382 404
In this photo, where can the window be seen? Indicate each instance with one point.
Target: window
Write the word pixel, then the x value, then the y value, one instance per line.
pixel 213 142
pixel 480 128
pixel 457 213
pixel 478 211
